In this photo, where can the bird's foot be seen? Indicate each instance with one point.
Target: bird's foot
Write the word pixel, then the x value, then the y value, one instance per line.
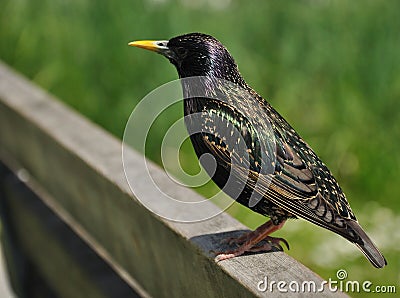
pixel 254 241
pixel 266 245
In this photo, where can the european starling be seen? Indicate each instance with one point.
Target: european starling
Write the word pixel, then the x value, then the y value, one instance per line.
pixel 293 184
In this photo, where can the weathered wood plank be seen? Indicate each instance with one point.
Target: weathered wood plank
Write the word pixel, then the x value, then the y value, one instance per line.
pixel 51 249
pixel 80 166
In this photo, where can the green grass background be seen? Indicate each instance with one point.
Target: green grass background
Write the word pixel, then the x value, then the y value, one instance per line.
pixel 331 68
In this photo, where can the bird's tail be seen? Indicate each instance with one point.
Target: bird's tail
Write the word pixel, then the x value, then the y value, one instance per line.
pixel 367 246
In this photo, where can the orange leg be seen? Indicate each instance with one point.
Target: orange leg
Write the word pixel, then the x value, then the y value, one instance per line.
pixel 250 240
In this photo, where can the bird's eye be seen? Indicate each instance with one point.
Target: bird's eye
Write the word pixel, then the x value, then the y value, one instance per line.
pixel 181 51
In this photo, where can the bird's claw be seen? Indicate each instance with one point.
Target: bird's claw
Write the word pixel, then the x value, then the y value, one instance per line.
pixel 277 242
pixel 269 243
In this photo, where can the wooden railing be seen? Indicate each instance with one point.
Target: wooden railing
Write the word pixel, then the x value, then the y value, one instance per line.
pixel 71 225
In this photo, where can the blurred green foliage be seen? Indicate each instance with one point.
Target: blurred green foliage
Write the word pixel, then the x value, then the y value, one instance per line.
pixel 331 68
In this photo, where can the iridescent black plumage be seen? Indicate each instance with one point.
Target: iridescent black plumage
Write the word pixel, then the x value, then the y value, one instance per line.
pixel 294 184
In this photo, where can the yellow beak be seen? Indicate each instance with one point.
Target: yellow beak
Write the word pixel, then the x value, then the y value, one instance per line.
pixel 151 45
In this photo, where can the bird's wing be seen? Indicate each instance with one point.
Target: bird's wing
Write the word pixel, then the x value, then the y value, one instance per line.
pixel 298 161
pixel 298 183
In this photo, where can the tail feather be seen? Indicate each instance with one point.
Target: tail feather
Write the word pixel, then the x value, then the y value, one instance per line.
pixel 367 247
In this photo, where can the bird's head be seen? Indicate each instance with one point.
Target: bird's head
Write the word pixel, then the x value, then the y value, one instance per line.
pixel 196 54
